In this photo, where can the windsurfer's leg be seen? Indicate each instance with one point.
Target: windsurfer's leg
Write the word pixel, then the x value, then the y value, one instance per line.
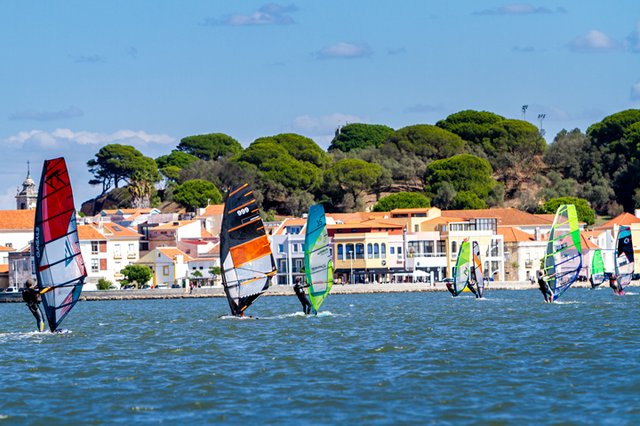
pixel 37 315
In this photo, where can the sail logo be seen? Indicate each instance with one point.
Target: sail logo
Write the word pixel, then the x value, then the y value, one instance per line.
pixel 243 211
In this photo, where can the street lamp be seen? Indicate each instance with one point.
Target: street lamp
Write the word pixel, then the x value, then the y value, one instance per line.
pixel 351 273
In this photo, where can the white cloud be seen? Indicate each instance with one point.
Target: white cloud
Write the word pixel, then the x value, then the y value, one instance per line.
pixel 269 14
pixel 60 137
pixel 344 50
pixel 635 91
pixel 594 41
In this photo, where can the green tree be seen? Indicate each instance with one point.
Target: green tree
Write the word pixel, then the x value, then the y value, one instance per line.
pixel 197 193
pixel 211 146
pixel 138 274
pixel 426 142
pixel 401 200
pixel 115 163
pixel 104 284
pixel 464 172
pixel 176 158
pixel 360 136
pixel 584 211
pixel 467 200
pixel 351 177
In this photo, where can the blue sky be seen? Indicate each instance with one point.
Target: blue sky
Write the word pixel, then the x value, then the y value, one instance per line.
pixel 77 75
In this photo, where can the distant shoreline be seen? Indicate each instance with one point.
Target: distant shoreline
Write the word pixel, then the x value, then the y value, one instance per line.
pixel 282 290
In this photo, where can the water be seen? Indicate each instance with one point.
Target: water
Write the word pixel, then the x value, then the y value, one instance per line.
pixel 413 358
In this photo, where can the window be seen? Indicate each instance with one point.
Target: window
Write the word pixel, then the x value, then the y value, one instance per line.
pixel 416 228
pixel 454 247
pixel 165 270
pixel 295 248
pixel 428 248
pixel 95 265
pixel 359 251
pixel 392 250
pixel 441 248
pixel 376 251
pixel 383 250
pixel 350 251
pixel 94 247
pixel 280 248
pixel 340 252
pixel 369 251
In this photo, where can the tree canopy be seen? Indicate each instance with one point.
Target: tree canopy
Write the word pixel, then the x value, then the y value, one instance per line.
pixel 197 193
pixel 115 163
pixel 138 274
pixel 401 200
pixel 360 136
pixel 211 146
pixel 469 176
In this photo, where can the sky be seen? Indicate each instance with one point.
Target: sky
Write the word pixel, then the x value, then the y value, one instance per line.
pixel 78 75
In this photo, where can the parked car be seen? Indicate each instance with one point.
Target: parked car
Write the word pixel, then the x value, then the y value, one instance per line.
pixel 129 287
pixel 162 286
pixel 11 290
pixel 176 286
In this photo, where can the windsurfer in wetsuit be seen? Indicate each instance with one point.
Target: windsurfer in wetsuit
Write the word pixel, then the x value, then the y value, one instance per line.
pixel 31 296
pixel 472 284
pixel 613 283
pixel 544 287
pixel 302 296
pixel 450 288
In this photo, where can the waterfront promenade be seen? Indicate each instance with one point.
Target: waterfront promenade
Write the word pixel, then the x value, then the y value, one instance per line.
pixel 283 290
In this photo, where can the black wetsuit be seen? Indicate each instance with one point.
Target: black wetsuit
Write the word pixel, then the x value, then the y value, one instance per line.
pixel 32 297
pixel 544 289
pixel 302 297
pixel 613 283
pixel 451 290
pixel 472 288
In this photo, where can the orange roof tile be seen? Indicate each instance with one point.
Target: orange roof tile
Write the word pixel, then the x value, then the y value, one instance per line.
pixel 514 235
pixel 505 216
pixel 623 219
pixel 4 248
pixel 213 210
pixel 4 268
pixel 172 225
pixel 115 230
pixel 172 252
pixel 587 243
pixel 88 232
pixel 11 220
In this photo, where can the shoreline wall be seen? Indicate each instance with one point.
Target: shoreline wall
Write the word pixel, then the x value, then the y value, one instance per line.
pixel 281 290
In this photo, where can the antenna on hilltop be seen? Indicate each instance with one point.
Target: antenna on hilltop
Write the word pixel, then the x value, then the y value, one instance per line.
pixel 524 111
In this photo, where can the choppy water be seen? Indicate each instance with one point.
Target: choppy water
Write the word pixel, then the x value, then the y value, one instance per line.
pixel 413 358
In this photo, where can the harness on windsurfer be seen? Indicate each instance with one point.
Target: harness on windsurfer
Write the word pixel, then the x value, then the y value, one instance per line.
pixel 31 296
pixel 544 287
pixel 302 296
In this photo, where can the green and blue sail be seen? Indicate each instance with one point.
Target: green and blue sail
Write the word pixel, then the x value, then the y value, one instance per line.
pixel 318 260
pixel 624 257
